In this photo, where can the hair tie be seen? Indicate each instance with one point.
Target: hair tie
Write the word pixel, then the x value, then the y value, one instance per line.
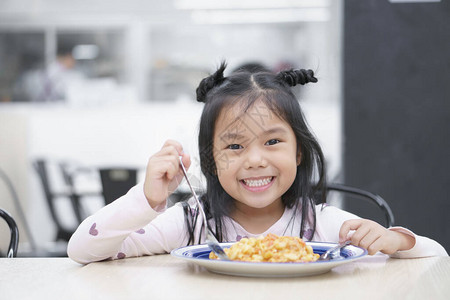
pixel 294 77
pixel 210 82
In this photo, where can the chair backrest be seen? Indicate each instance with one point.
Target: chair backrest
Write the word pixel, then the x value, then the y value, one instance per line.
pixel 359 194
pixel 14 240
pixel 41 167
pixel 116 182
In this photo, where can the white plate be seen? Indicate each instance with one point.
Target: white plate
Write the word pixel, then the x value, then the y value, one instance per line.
pixel 198 254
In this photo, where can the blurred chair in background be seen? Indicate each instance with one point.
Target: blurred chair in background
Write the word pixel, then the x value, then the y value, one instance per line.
pixel 68 192
pixel 51 197
pixel 370 206
pixel 14 239
pixel 116 182
pixel 113 183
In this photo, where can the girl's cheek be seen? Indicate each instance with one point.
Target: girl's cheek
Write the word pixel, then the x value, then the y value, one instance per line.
pixel 223 163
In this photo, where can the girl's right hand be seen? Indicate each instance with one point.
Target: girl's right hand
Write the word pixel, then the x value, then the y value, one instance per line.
pixel 164 174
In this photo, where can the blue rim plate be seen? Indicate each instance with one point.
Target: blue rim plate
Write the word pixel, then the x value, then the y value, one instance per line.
pixel 198 254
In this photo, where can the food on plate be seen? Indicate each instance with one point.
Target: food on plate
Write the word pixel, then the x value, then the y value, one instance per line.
pixel 271 248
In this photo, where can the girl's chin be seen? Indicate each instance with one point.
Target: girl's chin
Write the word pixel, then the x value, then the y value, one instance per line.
pixel 258 203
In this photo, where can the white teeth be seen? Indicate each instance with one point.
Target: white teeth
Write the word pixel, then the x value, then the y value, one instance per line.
pixel 259 182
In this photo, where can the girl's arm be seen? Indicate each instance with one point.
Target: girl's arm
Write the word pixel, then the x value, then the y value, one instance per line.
pixel 336 225
pixel 397 241
pixel 374 237
pixel 127 227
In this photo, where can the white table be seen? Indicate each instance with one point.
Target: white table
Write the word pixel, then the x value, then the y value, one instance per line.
pixel 166 277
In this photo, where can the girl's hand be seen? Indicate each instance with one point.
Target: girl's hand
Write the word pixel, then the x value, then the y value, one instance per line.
pixel 164 173
pixel 374 237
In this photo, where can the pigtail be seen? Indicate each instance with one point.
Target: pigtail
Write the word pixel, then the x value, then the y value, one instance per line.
pixel 210 82
pixel 294 77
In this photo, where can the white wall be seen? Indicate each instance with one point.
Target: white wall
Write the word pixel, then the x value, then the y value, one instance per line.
pixel 13 150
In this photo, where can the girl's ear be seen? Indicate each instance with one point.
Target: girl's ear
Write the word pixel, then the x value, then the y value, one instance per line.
pixel 299 158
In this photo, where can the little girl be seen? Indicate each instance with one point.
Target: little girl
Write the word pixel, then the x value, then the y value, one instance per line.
pixel 264 174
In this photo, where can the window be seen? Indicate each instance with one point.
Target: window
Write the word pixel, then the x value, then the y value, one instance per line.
pixel 20 53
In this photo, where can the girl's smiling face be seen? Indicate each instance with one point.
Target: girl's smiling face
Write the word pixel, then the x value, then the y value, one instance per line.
pixel 256 156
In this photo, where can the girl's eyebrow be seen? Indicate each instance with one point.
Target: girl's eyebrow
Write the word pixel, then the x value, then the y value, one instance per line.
pixel 273 130
pixel 231 136
pixel 235 136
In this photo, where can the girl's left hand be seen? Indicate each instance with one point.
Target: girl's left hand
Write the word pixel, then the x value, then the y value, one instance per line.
pixel 374 237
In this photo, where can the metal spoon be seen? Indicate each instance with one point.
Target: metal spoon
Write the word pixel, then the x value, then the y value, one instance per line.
pixel 327 255
pixel 211 240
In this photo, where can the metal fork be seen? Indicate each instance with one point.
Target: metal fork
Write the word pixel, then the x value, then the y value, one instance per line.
pixel 211 240
pixel 329 254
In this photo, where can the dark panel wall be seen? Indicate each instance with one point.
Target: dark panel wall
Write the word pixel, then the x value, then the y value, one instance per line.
pixel 397 109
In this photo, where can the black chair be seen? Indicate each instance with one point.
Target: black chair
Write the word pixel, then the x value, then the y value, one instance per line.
pixel 62 233
pixel 42 168
pixel 377 208
pixel 116 182
pixel 358 195
pixel 14 240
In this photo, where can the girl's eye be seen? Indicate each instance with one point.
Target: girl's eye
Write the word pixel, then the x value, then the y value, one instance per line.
pixel 272 142
pixel 234 147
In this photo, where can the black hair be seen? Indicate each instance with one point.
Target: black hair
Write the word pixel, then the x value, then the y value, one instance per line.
pixel 246 87
pixel 252 67
pixel 64 49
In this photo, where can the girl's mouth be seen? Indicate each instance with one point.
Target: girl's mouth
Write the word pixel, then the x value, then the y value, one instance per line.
pixel 257 184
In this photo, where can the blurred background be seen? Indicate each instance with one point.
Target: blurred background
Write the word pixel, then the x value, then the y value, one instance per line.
pixel 90 89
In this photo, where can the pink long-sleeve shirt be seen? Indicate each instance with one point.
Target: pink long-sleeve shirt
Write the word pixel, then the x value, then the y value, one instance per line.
pixel 131 227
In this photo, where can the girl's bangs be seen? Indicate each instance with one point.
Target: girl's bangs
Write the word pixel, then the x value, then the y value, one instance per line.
pixel 247 101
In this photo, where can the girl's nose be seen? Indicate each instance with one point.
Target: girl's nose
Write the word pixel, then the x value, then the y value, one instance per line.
pixel 254 158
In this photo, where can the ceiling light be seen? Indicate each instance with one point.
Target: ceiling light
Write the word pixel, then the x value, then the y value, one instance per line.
pixel 260 16
pixel 248 4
